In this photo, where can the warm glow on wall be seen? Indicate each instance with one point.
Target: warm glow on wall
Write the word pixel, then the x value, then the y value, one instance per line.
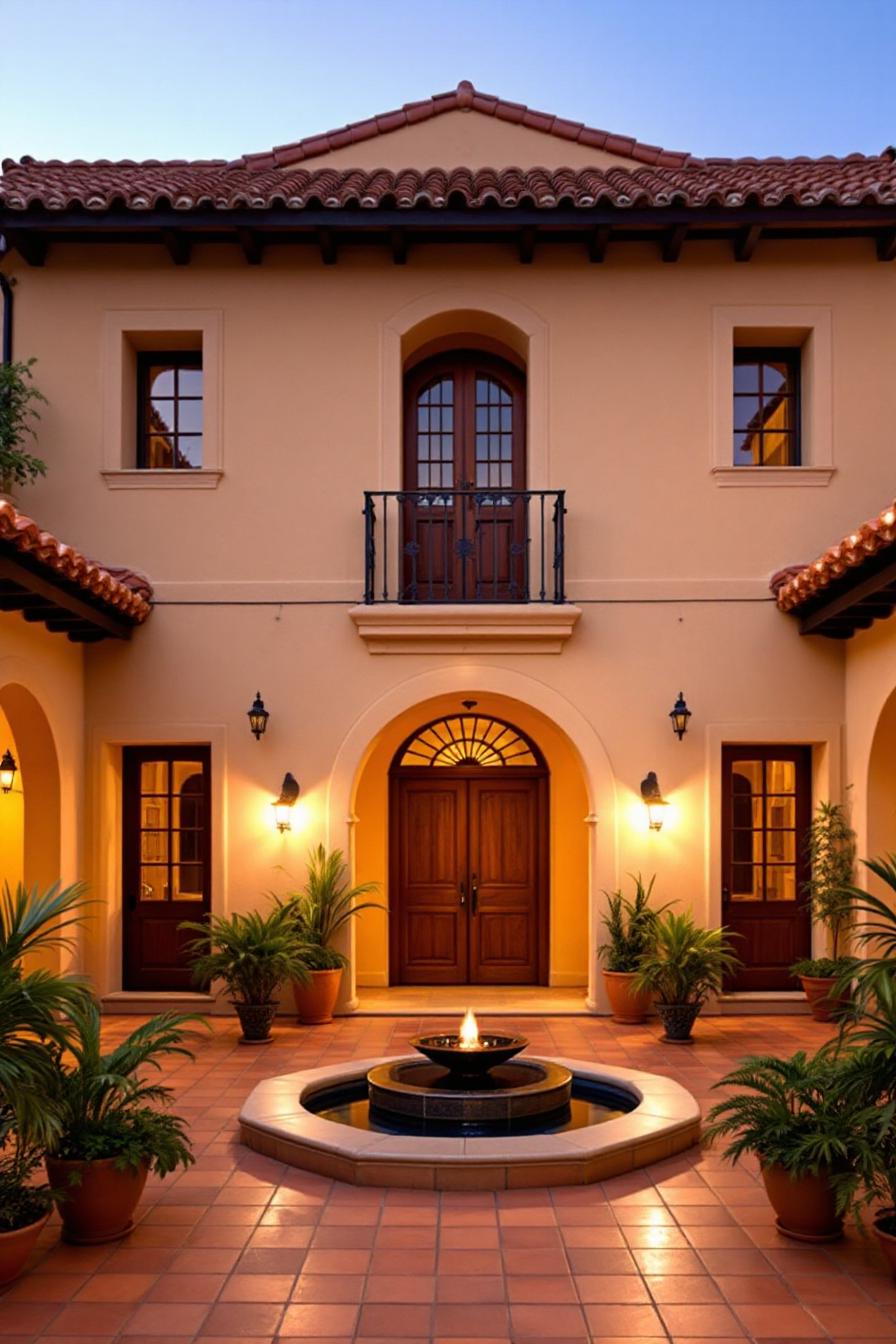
pixel 639 821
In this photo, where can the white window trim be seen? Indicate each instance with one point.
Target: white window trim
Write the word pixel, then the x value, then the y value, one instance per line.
pixel 121 327
pixel 816 411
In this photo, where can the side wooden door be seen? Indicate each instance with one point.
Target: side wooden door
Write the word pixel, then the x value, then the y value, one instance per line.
pixel 166 860
pixel 505 881
pixel 766 810
pixel 430 920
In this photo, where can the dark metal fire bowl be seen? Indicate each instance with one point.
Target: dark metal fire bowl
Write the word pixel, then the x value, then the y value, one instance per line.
pixel 492 1049
pixel 411 1088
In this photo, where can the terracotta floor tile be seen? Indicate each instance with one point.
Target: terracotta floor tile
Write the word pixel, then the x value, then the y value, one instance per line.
pixel 394 1320
pixel 556 1321
pixel 115 1288
pixel 753 1288
pixel 319 1319
pixel 239 1319
pixel 26 1318
pixel 591 1261
pixel 854 1321
pixel 329 1288
pixel 778 1322
pixel 386 1262
pixel 542 1261
pixel 476 1288
pixel 166 1319
pixel 475 1321
pixel 655 1238
pixel 39 1287
pixel 668 1262
pixel 400 1288
pixel 703 1320
pixel 455 1238
pixel 613 1321
pixel 186 1288
pixel 257 1288
pixel 541 1288
pixel 831 1288
pixel 682 1289
pixel 475 1262
pixel 84 1318
pixel 203 1262
pixel 618 1288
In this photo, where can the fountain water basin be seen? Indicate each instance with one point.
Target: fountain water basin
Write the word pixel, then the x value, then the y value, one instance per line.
pixel 417 1123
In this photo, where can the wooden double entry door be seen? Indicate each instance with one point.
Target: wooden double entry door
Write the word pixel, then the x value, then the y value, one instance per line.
pixel 469 877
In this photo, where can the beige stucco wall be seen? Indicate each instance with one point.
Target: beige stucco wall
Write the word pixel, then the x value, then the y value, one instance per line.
pixel 255 578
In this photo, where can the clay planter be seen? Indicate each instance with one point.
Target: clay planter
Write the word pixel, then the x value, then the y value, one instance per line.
pixel 16 1248
pixel 255 1020
pixel 315 1002
pixel 886 1240
pixel 102 1207
pixel 678 1020
pixel 817 990
pixel 805 1205
pixel 626 1004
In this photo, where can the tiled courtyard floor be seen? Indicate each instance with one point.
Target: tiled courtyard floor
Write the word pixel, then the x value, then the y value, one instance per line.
pixel 240 1248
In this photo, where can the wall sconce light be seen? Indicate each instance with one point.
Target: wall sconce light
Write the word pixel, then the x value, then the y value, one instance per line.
pixel 283 805
pixel 679 714
pixel 258 716
pixel 8 770
pixel 653 801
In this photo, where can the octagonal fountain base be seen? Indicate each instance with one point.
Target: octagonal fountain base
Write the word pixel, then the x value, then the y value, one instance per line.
pixel 278 1120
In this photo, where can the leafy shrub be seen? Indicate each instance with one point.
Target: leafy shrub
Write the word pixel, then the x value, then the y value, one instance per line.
pixel 630 926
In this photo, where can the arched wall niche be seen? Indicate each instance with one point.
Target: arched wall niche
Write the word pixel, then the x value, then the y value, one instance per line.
pixel 880 792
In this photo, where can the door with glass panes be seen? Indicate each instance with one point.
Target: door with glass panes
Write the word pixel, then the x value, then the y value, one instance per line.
pixel 766 810
pixel 166 860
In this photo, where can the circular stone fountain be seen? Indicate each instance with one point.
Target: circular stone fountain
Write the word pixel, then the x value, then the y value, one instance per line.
pixel 471 1115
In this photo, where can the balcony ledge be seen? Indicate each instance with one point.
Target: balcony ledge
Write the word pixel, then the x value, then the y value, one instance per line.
pixel 532 627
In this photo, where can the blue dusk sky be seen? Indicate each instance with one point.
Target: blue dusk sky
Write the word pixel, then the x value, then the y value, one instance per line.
pixel 216 78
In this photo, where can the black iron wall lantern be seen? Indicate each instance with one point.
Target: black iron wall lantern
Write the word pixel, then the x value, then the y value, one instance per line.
pixel 258 716
pixel 679 714
pixel 8 770
pixel 653 800
pixel 283 805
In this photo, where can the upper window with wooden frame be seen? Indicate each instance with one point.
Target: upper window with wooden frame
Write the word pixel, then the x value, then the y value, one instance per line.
pixel 169 410
pixel 766 406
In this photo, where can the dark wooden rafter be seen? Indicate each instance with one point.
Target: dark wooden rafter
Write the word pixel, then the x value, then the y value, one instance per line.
pixel 178 246
pixel 253 250
pixel 886 246
pixel 673 242
pixel 745 241
pixel 597 243
pixel 32 246
pixel 56 603
pixel 399 242
pixel 840 611
pixel 526 245
pixel 329 252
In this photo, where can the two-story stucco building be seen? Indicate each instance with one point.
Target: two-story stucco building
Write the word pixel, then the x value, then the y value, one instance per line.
pixel 469 437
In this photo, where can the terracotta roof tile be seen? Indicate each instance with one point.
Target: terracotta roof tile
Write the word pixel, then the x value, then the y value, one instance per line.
pixel 655 178
pixel 123 591
pixel 797 585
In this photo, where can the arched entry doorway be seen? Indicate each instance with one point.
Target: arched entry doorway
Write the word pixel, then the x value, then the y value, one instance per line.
pixel 468 813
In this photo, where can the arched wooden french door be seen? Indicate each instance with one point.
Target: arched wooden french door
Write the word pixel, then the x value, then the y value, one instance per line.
pixel 469 900
pixel 464 516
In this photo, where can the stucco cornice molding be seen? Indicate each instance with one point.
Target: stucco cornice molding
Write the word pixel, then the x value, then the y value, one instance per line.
pixel 534 628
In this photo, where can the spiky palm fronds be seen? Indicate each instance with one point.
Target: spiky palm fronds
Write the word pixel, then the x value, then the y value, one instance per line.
pixel 325 906
pixel 685 962
pixel 872 978
pixel 630 926
pixel 251 953
pixel 831 850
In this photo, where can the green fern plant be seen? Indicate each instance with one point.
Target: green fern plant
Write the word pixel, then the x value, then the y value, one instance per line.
pixel 252 953
pixel 831 850
pixel 630 926
pixel 108 1107
pixel 324 906
pixel 685 962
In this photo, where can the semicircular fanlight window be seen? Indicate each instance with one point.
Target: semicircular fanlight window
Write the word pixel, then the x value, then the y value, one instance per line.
pixel 468 739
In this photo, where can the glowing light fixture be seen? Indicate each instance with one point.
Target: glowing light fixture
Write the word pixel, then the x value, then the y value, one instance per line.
pixel 679 714
pixel 653 800
pixel 283 805
pixel 258 717
pixel 8 770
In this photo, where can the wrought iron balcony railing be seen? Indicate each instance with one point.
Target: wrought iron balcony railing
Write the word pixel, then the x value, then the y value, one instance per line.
pixel 464 546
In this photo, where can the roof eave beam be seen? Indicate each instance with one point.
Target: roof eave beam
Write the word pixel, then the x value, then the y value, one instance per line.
pixel 59 601
pixel 886 246
pixel 252 247
pixel 329 252
pixel 673 242
pixel 526 246
pixel 745 241
pixel 177 245
pixel 598 240
pixel 842 604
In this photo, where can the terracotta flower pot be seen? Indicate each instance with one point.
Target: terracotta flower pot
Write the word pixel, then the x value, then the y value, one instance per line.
pixel 818 992
pixel 626 1004
pixel 16 1248
pixel 678 1020
pixel 315 1002
pixel 100 1208
pixel 255 1020
pixel 886 1240
pixel 805 1205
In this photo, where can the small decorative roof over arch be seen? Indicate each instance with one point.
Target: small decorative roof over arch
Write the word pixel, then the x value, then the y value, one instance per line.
pixel 469 740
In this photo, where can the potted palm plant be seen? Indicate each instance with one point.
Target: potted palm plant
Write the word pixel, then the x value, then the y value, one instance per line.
pixel 801 1119
pixel 630 931
pixel 253 954
pixel 113 1128
pixel 19 399
pixel 34 1006
pixel 319 912
pixel 683 965
pixel 831 850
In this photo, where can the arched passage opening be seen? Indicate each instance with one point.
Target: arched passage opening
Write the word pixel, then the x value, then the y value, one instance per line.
pixel 881 785
pixel 30 816
pixel 543 801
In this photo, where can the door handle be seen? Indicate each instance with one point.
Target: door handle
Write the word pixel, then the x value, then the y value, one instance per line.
pixel 463 893
pixel 474 896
